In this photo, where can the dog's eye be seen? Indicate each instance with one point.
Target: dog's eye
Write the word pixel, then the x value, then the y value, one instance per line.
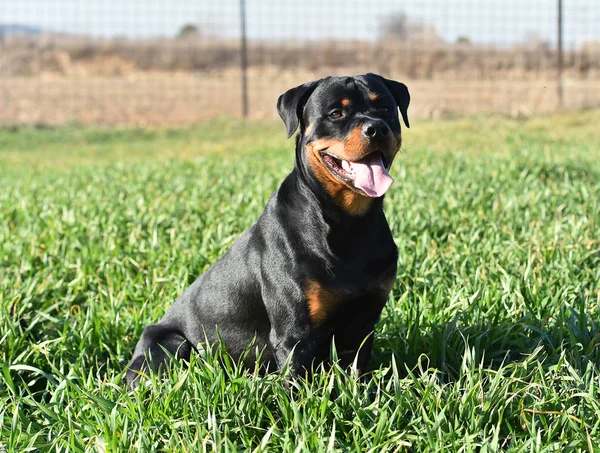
pixel 335 114
pixel 384 109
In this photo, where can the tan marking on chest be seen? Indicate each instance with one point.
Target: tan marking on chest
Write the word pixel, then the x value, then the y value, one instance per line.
pixel 321 301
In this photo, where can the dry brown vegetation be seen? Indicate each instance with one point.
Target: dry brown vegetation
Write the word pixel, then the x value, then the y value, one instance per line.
pixel 415 58
pixel 53 79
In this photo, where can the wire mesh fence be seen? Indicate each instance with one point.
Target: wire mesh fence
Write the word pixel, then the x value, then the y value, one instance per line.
pixel 178 62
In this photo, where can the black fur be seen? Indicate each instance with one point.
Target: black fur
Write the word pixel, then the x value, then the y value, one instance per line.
pixel 257 292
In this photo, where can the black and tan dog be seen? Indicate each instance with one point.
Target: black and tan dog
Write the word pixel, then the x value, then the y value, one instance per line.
pixel 320 261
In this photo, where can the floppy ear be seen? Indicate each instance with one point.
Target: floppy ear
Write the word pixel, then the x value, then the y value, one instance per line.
pixel 291 103
pixel 401 96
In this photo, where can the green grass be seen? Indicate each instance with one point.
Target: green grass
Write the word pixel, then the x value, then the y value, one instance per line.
pixel 489 341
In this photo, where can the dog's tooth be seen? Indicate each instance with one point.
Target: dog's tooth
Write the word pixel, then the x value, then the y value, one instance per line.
pixel 347 166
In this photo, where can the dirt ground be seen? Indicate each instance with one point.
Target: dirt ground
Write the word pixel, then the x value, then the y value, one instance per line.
pixel 158 98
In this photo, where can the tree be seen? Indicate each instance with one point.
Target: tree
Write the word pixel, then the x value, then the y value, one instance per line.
pixel 395 26
pixel 399 27
pixel 188 30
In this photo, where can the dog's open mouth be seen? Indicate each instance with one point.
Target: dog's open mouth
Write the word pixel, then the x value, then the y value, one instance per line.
pixel 369 175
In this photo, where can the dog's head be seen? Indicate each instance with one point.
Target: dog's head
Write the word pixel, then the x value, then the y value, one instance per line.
pixel 349 134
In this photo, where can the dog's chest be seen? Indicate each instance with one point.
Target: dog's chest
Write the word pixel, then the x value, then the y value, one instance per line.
pixel 358 276
pixel 326 297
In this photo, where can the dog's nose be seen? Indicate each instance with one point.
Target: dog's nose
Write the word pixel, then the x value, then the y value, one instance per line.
pixel 374 129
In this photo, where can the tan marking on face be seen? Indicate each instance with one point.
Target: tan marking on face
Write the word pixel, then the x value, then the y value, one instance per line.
pixel 354 147
pixel 353 202
pixel 373 96
pixel 345 102
pixel 347 198
pixel 308 130
pixel 321 301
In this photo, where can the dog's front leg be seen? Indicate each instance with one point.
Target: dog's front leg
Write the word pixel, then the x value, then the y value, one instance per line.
pixel 293 339
pixel 154 350
pixel 295 347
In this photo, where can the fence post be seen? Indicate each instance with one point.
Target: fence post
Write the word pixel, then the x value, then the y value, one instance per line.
pixel 244 60
pixel 560 56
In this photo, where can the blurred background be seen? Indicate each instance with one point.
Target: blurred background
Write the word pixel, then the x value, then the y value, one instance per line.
pixel 149 62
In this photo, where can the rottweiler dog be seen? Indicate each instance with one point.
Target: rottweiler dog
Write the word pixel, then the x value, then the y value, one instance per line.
pixel 320 261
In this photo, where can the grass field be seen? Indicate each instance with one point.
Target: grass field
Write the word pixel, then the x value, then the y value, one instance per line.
pixel 489 341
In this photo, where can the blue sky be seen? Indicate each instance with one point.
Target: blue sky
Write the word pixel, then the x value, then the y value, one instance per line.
pixel 501 22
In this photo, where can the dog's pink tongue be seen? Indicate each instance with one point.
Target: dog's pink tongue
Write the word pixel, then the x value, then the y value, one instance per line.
pixel 370 175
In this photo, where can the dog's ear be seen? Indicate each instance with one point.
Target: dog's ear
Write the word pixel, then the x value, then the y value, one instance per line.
pixel 401 96
pixel 291 103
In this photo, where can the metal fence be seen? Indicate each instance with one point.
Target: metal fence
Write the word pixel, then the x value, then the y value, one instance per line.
pixel 152 62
